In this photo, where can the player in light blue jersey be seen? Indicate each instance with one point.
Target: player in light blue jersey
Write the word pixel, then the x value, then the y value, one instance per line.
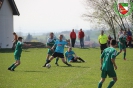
pixel 59 51
pixel 71 56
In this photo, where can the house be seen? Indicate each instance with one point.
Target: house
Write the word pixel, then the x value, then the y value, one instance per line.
pixel 8 8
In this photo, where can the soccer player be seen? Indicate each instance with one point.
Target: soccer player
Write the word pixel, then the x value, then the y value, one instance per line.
pixel 17 53
pixel 50 42
pixel 59 51
pixel 69 56
pixel 122 44
pixel 108 64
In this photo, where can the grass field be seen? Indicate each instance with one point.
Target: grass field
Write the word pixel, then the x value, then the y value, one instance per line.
pixel 31 74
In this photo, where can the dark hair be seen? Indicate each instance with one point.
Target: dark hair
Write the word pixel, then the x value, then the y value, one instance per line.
pixel 113 42
pixel 19 38
pixel 14 33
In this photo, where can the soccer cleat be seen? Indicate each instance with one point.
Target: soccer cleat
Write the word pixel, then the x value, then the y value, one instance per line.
pixel 9 68
pixel 124 58
pixel 44 66
pixel 69 65
pixel 12 70
pixel 57 64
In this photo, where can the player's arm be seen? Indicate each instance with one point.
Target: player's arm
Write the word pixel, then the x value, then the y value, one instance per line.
pixel 68 42
pixel 101 60
pixel 113 56
pixel 53 47
pixel 113 61
pixel 26 44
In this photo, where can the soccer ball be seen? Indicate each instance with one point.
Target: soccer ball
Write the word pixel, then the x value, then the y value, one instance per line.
pixel 48 65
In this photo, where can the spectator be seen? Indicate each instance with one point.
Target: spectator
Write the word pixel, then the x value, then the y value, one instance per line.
pixel 129 40
pixel 73 37
pixel 81 38
pixel 103 41
pixel 129 33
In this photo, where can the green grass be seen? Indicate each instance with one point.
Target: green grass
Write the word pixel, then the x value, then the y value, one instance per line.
pixel 31 74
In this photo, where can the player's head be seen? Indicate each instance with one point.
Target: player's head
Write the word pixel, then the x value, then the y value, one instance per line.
pixel 113 42
pixel 51 35
pixel 69 49
pixel 20 38
pixel 124 32
pixel 81 29
pixel 102 32
pixel 14 33
pixel 72 30
pixel 60 37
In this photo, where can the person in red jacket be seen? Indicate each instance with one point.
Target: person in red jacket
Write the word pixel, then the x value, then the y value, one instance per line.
pixel 73 37
pixel 81 38
pixel 129 40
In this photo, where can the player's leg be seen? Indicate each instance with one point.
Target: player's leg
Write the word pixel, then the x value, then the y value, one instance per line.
pixel 113 75
pixel 56 61
pixel 103 76
pixel 112 82
pixel 101 82
pixel 80 59
pixel 120 49
pixel 124 54
pixel 64 61
pixel 16 64
pixel 51 58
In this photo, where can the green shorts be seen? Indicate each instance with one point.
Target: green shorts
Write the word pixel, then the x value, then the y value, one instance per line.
pixel 17 57
pixel 121 47
pixel 111 74
pixel 50 52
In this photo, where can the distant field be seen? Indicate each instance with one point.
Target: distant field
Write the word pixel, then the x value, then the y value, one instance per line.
pixel 31 74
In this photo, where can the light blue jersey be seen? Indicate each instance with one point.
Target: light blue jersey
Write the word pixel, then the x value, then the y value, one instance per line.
pixel 60 46
pixel 69 55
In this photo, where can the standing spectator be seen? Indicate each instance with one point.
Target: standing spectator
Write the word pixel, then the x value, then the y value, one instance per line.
pixel 102 39
pixel 129 40
pixel 73 37
pixel 15 40
pixel 81 38
pixel 109 39
pixel 129 33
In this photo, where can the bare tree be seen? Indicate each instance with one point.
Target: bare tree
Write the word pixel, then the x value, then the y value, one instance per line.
pixel 103 12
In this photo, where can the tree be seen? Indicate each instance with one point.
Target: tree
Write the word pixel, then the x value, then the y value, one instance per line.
pixel 104 13
pixel 28 38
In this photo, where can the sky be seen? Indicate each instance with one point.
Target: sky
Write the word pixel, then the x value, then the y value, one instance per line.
pixel 38 16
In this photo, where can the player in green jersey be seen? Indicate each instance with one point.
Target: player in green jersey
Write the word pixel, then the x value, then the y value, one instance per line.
pixel 17 54
pixel 108 64
pixel 122 44
pixel 50 42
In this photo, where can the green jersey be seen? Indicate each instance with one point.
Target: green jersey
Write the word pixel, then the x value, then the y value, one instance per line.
pixel 122 39
pixel 18 49
pixel 108 54
pixel 50 42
